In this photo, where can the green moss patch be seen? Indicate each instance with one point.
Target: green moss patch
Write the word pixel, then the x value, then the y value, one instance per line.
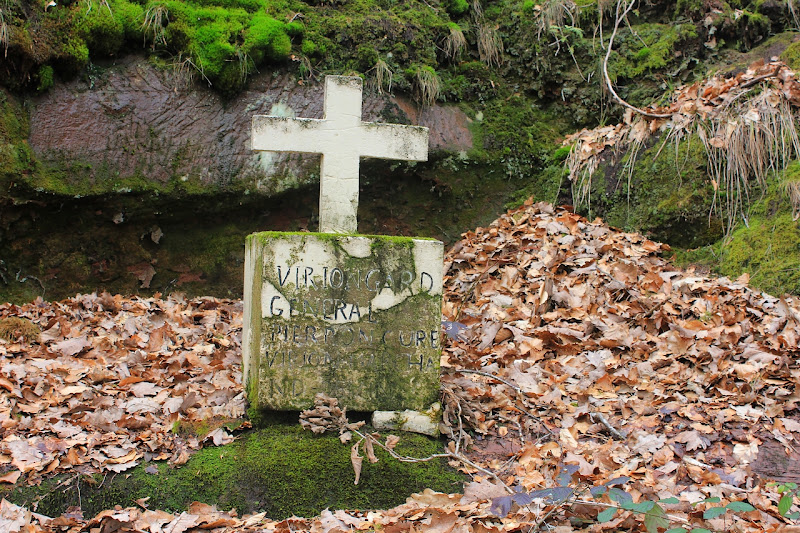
pixel 667 193
pixel 224 40
pixel 767 247
pixel 280 470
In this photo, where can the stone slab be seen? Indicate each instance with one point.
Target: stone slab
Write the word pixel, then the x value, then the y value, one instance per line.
pixel 356 317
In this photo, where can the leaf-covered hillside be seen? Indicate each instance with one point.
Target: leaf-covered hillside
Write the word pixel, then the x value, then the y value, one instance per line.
pixel 588 385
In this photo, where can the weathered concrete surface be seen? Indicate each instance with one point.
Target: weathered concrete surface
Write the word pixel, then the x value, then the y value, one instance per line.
pixel 355 317
pixel 135 120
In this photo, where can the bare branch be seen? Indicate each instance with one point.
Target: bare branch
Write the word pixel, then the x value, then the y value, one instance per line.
pixel 620 17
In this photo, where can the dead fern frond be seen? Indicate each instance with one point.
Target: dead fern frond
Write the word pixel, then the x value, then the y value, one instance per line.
pixel 14 328
pixel 427 86
pixel 155 19
pixel 455 43
pixel 490 45
pixel 381 76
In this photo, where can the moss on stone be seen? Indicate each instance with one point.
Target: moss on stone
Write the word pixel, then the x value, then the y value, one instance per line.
pixel 363 359
pixel 281 470
pixel 791 56
pixel 652 47
pixel 12 328
pixel 667 193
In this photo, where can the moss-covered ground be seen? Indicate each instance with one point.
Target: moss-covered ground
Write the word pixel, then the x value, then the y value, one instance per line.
pixel 766 246
pixel 281 470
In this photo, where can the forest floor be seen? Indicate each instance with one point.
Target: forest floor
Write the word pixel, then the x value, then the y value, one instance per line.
pixel 588 384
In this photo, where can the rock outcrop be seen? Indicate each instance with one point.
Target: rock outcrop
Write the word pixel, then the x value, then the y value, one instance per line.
pixel 135 120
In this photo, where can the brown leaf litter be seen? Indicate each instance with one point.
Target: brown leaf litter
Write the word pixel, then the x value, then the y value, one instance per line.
pixel 574 348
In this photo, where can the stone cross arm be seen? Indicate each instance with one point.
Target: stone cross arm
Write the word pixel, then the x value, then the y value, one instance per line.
pixel 342 139
pixel 315 136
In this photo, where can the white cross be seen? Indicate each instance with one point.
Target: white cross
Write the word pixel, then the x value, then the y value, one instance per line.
pixel 342 139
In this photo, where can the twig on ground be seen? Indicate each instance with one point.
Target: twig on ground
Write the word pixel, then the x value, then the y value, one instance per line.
pixel 449 455
pixel 759 79
pixel 516 388
pixel 597 417
pixel 488 375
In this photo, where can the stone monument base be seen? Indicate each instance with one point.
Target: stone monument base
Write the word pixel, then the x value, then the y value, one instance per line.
pixel 355 317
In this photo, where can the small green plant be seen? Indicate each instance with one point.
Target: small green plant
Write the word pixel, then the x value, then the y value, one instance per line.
pixel 788 491
pixel 45 76
pixel 457 7
pixel 529 7
pixel 561 153
pixel 655 517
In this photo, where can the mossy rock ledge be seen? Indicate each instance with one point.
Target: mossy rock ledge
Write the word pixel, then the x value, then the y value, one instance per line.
pixel 281 470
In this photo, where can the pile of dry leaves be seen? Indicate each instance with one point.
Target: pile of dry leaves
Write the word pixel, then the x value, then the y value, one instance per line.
pixel 577 356
pixel 108 379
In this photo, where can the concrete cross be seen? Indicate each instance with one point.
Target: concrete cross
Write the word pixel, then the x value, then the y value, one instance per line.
pixel 342 139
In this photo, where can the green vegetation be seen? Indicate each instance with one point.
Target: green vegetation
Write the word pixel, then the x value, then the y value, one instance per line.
pixel 767 247
pixel 525 73
pixel 667 194
pixel 224 41
pixel 281 469
pixel 13 328
pixel 650 49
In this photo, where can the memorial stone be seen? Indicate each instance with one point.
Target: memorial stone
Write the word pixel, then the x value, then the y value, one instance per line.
pixel 354 316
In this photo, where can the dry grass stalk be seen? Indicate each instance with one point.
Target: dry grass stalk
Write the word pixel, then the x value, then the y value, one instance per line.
pixel 584 160
pixel 792 190
pixel 455 43
pixel 154 22
pixel 477 9
pixel 744 144
pixel 554 15
pixel 381 76
pixel 5 35
pixel 90 5
pixel 748 129
pixel 244 64
pixel 307 72
pixel 183 72
pixel 427 86
pixel 490 46
pixel 793 11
